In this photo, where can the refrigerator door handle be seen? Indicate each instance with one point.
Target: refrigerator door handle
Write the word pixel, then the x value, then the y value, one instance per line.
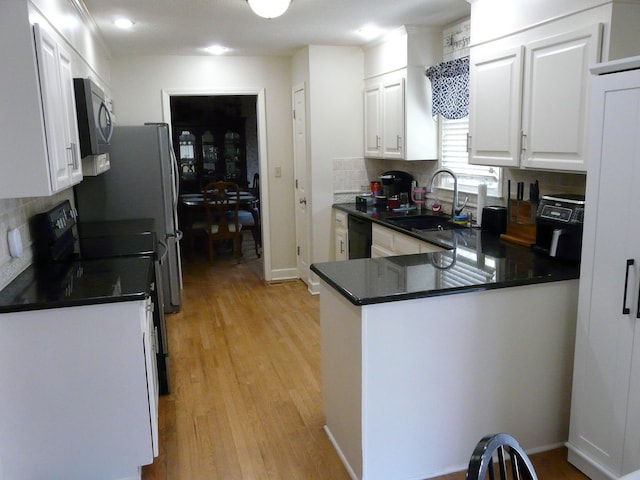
pixel 163 257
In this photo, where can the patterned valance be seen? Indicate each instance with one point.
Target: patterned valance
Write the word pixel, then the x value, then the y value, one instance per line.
pixel 450 84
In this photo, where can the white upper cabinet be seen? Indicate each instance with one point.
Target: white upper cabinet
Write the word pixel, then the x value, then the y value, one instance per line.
pixel 56 88
pixel 528 104
pixel 554 107
pixel 39 153
pixel 495 87
pixel 529 78
pixel 372 112
pixel 397 96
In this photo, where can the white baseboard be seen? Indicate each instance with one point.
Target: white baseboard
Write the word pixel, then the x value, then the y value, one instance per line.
pixel 350 471
pixel 587 466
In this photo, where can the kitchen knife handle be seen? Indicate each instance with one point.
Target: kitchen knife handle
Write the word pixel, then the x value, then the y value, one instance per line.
pixel 625 309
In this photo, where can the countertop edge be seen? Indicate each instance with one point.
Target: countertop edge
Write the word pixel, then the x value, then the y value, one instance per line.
pixel 359 302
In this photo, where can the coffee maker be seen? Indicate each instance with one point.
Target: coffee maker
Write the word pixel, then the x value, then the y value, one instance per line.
pixel 395 182
pixel 559 222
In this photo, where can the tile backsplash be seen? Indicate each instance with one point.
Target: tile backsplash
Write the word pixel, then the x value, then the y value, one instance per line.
pixel 351 174
pixel 16 213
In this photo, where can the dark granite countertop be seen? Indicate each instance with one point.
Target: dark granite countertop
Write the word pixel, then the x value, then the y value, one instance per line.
pixel 475 260
pixel 78 283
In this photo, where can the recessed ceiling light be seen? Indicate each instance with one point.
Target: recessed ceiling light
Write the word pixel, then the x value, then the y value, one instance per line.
pixel 369 32
pixel 216 49
pixel 123 23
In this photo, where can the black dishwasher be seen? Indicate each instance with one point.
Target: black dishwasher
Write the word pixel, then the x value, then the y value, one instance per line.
pixel 359 237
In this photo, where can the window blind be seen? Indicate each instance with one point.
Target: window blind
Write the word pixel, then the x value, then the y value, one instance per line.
pixel 455 156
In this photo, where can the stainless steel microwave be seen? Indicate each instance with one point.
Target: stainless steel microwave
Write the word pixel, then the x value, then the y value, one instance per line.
pixel 95 121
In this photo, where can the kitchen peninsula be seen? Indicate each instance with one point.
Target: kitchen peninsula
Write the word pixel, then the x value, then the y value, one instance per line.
pixel 424 354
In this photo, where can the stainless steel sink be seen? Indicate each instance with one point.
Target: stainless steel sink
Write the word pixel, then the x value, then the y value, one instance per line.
pixel 422 222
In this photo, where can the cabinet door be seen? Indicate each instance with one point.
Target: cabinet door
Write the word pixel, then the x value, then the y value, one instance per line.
pixel 150 346
pixel 494 112
pixel 372 108
pixel 556 88
pixel 405 245
pixel 53 108
pixel 393 119
pixel 342 245
pixel 604 407
pixel 72 149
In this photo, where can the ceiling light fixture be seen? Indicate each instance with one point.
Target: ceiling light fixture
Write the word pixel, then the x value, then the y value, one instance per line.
pixel 123 23
pixel 269 8
pixel 216 49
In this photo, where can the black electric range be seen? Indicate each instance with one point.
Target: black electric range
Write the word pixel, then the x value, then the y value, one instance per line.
pixel 131 238
pixel 108 262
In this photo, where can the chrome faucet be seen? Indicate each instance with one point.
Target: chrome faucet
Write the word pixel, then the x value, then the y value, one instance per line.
pixel 455 208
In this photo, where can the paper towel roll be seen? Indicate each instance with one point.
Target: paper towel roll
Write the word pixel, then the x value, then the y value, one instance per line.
pixel 481 202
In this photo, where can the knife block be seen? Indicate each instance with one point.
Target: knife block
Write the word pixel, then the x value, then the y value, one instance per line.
pixel 521 224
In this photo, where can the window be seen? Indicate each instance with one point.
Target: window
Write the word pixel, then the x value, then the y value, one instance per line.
pixel 454 155
pixel 450 84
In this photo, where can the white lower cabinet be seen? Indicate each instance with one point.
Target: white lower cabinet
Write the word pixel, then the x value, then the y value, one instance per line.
pixel 386 242
pixel 341 235
pixel 604 438
pixel 78 392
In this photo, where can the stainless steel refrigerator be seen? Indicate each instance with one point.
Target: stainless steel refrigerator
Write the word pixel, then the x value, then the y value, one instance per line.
pixel 141 183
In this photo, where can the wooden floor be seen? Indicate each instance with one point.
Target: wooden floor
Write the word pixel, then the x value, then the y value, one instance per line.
pixel 245 399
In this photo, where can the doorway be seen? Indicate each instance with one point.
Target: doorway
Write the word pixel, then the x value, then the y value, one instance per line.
pixel 249 104
pixel 215 138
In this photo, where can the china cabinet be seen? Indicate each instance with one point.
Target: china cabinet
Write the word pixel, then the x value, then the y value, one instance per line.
pixel 39 145
pixel 210 152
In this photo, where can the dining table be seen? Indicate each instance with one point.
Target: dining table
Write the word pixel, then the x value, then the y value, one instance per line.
pixel 192 207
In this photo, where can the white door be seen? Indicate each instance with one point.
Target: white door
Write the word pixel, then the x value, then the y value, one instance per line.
pixel 494 114
pixel 48 69
pixel 372 147
pixel 71 125
pixel 604 421
pixel 554 107
pixel 302 196
pixel 393 119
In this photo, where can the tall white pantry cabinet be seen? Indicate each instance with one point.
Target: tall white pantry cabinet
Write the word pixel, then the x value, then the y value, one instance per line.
pixel 604 437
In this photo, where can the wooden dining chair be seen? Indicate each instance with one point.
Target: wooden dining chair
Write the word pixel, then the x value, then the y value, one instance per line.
pixel 250 215
pixel 482 463
pixel 221 204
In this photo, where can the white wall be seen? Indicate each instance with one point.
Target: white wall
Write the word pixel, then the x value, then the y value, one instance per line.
pixel 336 130
pixel 137 85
